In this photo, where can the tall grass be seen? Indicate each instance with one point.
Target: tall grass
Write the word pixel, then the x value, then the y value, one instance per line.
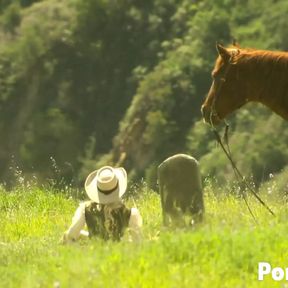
pixel 224 251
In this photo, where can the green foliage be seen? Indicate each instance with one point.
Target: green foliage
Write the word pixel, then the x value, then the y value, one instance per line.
pixel 6 5
pixel 71 71
pixel 96 82
pixel 11 18
pixel 167 100
pixel 224 251
pixel 257 150
pixel 277 186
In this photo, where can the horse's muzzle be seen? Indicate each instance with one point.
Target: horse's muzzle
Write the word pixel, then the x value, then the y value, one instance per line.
pixel 208 116
pixel 205 113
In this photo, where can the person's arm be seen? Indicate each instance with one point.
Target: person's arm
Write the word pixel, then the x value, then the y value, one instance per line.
pixel 135 225
pixel 78 222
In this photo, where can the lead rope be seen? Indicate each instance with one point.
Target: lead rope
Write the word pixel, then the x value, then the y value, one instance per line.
pixel 237 173
pixel 227 151
pixel 228 154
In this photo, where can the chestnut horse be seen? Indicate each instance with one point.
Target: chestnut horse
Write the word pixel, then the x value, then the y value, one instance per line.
pixel 245 75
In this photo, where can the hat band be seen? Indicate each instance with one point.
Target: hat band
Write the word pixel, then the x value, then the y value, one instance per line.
pixel 107 192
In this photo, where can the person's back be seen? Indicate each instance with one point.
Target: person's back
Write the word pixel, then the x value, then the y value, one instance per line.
pixel 105 215
pixel 107 221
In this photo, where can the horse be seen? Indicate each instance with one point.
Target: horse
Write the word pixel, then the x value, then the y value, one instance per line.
pixel 246 75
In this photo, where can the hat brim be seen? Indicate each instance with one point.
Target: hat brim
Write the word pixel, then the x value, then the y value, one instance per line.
pixel 99 197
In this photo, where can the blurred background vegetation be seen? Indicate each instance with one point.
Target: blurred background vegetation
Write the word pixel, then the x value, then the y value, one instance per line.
pixel 97 82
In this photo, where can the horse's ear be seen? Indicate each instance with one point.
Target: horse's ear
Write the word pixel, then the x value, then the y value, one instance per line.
pixel 235 43
pixel 223 52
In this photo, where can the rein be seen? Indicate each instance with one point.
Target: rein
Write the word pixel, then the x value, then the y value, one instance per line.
pixel 237 172
pixel 239 176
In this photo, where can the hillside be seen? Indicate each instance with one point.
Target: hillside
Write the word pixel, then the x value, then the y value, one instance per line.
pixel 86 83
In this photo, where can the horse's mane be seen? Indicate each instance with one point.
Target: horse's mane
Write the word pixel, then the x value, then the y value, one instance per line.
pixel 269 70
pixel 254 56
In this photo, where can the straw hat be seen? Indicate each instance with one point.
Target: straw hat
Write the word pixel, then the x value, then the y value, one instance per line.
pixel 106 185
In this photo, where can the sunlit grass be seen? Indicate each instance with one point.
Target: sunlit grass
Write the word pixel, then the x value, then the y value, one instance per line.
pixel 224 251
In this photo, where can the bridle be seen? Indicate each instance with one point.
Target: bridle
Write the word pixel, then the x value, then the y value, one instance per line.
pixel 239 176
pixel 222 80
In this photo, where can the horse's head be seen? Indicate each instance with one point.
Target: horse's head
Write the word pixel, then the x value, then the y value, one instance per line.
pixel 226 93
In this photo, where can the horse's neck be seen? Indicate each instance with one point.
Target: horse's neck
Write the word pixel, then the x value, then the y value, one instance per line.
pixel 270 86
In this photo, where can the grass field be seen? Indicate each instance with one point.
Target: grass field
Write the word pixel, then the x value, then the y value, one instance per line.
pixel 224 251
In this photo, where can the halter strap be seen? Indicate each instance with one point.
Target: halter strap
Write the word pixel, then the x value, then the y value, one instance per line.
pixel 217 92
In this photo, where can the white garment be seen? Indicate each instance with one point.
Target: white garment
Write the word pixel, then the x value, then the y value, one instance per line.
pixel 78 222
